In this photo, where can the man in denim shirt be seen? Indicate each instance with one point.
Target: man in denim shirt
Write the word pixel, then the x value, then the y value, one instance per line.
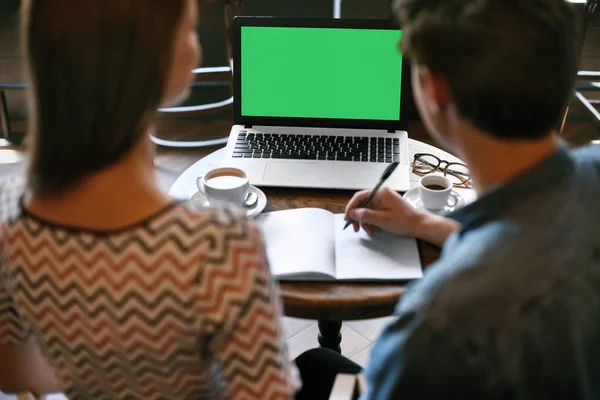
pixel 512 308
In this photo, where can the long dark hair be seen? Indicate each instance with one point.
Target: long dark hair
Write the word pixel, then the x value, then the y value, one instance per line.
pixel 97 70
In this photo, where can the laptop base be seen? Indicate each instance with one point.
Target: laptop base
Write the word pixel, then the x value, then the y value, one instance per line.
pixel 319 174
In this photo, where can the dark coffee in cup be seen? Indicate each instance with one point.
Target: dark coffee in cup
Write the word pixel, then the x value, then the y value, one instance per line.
pixel 435 187
pixel 434 191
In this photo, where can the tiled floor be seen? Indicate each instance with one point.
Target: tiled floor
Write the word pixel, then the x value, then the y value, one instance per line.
pixel 357 337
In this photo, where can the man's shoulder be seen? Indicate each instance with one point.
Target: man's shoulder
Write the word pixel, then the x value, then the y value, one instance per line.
pixel 497 279
pixel 482 278
pixel 589 153
pixel 587 159
pixel 467 256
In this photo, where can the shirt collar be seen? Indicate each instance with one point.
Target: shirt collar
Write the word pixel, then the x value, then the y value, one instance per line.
pixel 494 201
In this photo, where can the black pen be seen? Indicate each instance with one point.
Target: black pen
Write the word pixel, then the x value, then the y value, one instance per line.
pixel 386 174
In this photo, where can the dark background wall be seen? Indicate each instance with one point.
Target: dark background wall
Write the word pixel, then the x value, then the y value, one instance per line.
pixel 10 57
pixel 213 39
pixel 210 34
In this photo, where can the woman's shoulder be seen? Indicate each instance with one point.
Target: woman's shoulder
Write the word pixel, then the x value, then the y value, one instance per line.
pixel 11 192
pixel 221 217
pixel 212 224
pixel 228 245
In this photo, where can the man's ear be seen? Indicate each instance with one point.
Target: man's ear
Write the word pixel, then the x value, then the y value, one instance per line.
pixel 436 92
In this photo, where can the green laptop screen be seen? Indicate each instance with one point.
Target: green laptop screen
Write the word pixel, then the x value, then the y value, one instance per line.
pixel 320 73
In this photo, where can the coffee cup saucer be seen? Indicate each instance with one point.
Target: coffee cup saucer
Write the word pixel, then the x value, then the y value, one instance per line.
pixel 199 201
pixel 413 198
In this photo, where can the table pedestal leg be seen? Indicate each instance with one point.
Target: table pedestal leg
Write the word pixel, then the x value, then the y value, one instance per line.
pixel 330 335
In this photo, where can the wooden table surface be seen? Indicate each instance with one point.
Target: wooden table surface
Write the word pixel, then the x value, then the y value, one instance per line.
pixel 324 301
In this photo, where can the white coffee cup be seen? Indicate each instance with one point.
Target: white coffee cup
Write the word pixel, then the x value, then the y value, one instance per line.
pixel 224 186
pixel 434 191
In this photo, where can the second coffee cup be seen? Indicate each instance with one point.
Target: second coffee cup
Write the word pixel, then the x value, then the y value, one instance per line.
pixel 434 191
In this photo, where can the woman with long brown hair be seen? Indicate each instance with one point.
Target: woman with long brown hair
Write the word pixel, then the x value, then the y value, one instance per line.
pixel 108 287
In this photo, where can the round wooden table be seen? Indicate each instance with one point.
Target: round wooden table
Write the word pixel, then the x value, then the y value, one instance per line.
pixel 330 303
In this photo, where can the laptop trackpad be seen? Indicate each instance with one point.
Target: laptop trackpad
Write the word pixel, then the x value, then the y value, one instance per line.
pixel 343 175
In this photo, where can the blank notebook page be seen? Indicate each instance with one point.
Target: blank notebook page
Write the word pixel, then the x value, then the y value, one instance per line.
pixel 383 256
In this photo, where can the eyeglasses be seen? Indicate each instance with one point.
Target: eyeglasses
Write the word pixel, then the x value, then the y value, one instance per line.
pixel 458 173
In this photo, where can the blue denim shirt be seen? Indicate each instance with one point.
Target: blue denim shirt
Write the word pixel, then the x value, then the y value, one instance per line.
pixel 511 310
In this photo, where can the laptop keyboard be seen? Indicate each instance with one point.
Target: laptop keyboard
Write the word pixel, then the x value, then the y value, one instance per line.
pixel 317 147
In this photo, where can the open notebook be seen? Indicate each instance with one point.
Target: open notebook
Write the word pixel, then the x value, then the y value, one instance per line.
pixel 309 244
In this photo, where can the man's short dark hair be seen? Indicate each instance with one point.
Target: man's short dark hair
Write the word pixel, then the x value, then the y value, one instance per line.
pixel 510 64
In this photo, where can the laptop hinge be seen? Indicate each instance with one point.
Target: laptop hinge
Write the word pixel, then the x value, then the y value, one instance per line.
pixel 247 126
pixel 391 131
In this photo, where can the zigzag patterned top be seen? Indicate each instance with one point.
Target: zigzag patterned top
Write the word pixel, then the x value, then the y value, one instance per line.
pixel 180 306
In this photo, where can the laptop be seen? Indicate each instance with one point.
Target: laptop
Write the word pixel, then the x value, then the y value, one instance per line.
pixel 319 103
